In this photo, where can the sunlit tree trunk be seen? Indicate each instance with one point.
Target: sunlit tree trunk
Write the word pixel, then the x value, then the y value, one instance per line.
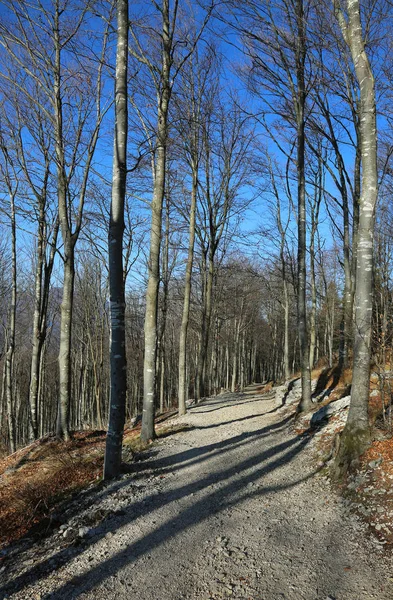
pixel 162 388
pixel 300 57
pixel 356 435
pixel 118 365
pixel 187 295
pixel 11 408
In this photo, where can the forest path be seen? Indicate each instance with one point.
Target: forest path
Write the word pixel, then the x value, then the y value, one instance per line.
pixel 233 509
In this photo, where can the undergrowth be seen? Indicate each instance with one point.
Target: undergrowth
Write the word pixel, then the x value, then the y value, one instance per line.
pixel 36 480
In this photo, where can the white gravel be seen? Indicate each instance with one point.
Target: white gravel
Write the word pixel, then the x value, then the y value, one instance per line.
pixel 231 509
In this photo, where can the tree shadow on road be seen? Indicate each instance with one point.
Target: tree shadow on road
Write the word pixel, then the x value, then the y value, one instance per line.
pixel 253 416
pixel 225 403
pixel 235 480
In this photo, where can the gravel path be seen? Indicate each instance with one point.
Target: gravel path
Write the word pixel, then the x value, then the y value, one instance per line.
pixel 230 509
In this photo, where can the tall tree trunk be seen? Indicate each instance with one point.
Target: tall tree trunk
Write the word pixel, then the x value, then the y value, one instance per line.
pixel 305 402
pixel 164 307
pixel 205 332
pixel 356 214
pixel 62 427
pixel 11 408
pixel 150 328
pixel 37 339
pixel 118 365
pixel 347 300
pixel 356 434
pixel 287 369
pixel 67 302
pixel 314 229
pixel 187 295
pixel 235 355
pixel 41 297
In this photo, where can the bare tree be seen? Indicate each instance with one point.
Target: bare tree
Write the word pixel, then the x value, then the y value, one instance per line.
pixel 356 434
pixel 10 176
pixel 195 81
pixel 175 46
pixel 275 40
pixel 118 374
pixel 226 151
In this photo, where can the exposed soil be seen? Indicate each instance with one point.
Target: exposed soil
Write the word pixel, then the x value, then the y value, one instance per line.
pixel 233 508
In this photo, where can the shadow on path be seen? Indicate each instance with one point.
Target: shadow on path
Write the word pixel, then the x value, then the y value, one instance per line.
pixel 215 502
pixel 234 490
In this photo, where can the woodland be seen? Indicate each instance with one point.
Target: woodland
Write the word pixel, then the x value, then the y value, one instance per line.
pixel 192 199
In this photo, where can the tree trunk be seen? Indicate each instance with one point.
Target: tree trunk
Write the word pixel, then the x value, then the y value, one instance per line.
pixel 164 307
pixel 314 229
pixel 187 296
pixel 118 365
pixel 205 331
pixel 287 369
pixel 11 409
pixel 356 435
pixel 37 340
pixel 150 328
pixel 41 297
pixel 62 429
pixel 305 402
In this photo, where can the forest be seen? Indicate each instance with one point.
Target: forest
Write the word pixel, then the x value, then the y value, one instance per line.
pixel 192 199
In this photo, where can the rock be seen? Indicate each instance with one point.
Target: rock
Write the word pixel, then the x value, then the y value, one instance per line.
pixel 375 463
pixel 83 532
pixel 280 392
pixel 330 409
pixel 69 534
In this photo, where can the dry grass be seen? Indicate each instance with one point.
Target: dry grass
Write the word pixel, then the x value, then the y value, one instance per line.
pixel 35 480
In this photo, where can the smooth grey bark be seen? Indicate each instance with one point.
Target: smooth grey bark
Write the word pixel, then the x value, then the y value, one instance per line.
pixel 163 80
pixel 235 355
pixel 118 365
pixel 66 310
pixel 10 354
pixel 208 281
pixel 356 434
pixel 37 339
pixel 315 208
pixel 165 276
pixel 11 181
pixel 356 215
pixel 282 229
pixel 62 425
pixel 300 101
pixel 187 295
pixel 150 328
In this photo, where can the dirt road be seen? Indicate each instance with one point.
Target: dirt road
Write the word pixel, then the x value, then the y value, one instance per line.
pixel 230 509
